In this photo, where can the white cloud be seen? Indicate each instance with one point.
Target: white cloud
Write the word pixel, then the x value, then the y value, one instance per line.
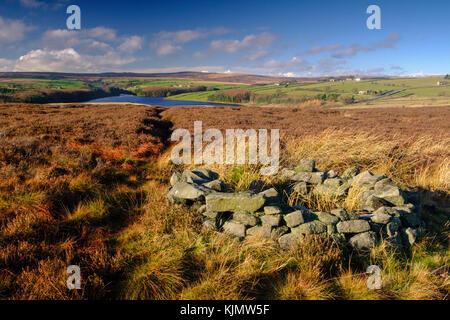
pixel 88 39
pixel 204 69
pixel 232 46
pixel 320 49
pixel 6 64
pixel 12 30
pixel 166 48
pixel 388 43
pixel 31 3
pixel 170 42
pixel 257 55
pixel 131 44
pixel 68 60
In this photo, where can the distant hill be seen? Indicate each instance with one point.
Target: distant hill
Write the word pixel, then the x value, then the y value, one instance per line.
pixel 222 77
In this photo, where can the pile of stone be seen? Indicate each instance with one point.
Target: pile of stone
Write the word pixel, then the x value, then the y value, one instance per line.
pixel 385 210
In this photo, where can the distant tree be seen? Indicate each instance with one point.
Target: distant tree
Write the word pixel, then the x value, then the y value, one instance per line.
pixel 447 76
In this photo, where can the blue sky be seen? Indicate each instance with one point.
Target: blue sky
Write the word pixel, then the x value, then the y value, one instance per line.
pixel 291 38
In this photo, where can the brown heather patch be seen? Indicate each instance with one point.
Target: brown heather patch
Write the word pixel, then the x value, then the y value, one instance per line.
pixel 80 184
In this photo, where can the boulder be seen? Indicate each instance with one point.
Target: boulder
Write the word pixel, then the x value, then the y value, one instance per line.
pixel 350 173
pixel 246 219
pixel 234 202
pixel 331 174
pixel 381 218
pixel 193 177
pixel 331 229
pixel 271 195
pixel 272 210
pixel 187 191
pixel 294 219
pixel 313 227
pixel 330 190
pixel 367 180
pixel 175 178
pixel 289 241
pixel 271 220
pixel 309 177
pixel 340 213
pixel 262 231
pixel 327 218
pixel 278 232
pixel 234 228
pixel 391 194
pixel 376 202
pixel 216 185
pixel 306 165
pixel 300 188
pixel 363 241
pixel 353 226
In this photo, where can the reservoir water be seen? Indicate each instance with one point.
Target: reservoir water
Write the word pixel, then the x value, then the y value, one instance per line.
pixel 154 101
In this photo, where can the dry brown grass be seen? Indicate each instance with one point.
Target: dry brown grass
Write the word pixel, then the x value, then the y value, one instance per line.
pixel 80 185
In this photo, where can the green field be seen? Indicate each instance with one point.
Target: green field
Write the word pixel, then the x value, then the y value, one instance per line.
pixel 382 91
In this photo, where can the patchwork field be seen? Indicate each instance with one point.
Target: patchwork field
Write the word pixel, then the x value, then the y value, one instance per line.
pixel 86 185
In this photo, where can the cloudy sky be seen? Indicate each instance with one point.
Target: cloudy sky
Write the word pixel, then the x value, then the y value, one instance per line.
pixel 291 38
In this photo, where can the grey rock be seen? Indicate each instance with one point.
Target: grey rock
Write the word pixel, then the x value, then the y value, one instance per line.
pixel 332 174
pixel 309 177
pixel 211 215
pixel 246 219
pixel 331 229
pixel 262 231
pixel 271 195
pixel 205 174
pixel 409 236
pixel 175 178
pixel 367 180
pixel 278 232
pixel 376 202
pixel 300 188
pixel 234 202
pixel 289 241
pixel 340 213
pixel 271 220
pixel 234 228
pixel 272 210
pixel 306 165
pixel 390 193
pixel 216 185
pixel 350 173
pixel 353 226
pixel 331 190
pixel 313 227
pixel 294 219
pixel 381 218
pixel 363 241
pixel 392 228
pixel 187 191
pixel 192 177
pixel 327 218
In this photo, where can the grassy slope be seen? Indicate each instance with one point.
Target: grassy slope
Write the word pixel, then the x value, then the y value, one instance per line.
pixel 88 194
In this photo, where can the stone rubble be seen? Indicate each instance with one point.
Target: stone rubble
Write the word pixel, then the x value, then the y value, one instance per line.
pixel 384 211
